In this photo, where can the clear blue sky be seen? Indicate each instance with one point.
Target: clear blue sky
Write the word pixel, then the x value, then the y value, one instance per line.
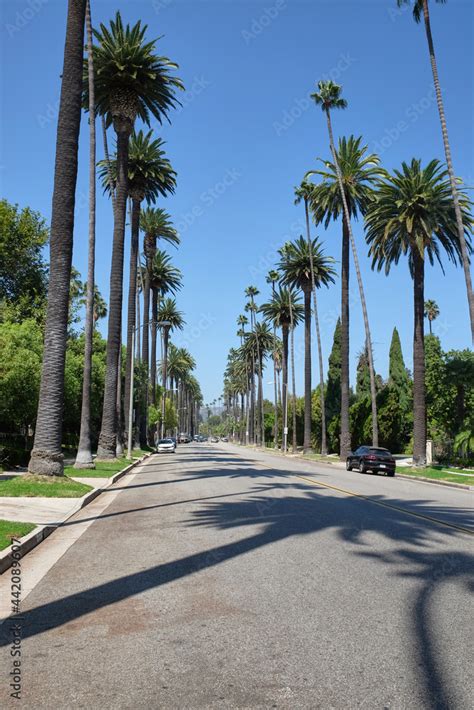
pixel 246 135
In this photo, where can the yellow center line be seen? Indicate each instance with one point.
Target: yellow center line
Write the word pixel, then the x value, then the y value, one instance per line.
pixel 315 482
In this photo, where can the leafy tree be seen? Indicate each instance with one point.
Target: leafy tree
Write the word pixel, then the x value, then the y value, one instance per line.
pixel 23 271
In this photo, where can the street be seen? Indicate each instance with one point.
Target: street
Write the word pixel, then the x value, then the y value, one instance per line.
pixel 222 577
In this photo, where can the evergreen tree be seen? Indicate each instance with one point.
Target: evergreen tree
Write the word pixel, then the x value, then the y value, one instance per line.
pixel 398 373
pixel 363 374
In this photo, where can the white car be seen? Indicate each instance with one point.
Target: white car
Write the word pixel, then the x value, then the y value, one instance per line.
pixel 166 446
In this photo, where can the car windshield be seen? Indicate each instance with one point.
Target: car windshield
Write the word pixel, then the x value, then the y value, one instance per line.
pixel 384 453
pixel 166 441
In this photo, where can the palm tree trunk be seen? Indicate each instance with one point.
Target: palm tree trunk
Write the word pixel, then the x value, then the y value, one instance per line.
pixel 84 452
pixel 284 394
pixel 108 434
pixel 449 163
pixel 119 445
pixel 260 401
pixel 293 387
pixel 431 326
pixel 47 456
pixel 132 299
pixel 165 368
pixel 368 337
pixel 307 372
pixel 419 397
pixel 324 447
pixel 345 440
pixel 145 356
pixel 154 331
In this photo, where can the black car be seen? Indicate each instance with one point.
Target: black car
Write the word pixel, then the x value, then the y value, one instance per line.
pixel 369 458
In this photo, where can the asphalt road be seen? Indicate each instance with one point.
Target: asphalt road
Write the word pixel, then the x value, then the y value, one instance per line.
pixel 225 578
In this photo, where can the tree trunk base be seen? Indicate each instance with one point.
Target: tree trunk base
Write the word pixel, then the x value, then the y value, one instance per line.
pixel 84 460
pixel 46 463
pixel 107 447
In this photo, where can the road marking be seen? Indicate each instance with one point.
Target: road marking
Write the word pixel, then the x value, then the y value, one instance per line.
pixel 315 482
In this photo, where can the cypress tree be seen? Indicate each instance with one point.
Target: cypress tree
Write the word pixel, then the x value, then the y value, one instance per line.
pixel 399 377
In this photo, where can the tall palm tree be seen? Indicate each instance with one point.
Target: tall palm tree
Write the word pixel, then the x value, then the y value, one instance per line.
pixel 131 81
pixel 359 172
pixel 273 278
pixel 414 215
pixel 431 312
pixel 299 263
pixel 156 224
pixel 100 306
pixel 303 192
pixel 149 175
pixel 285 310
pixel 242 321
pixel 165 279
pixel 84 451
pixel 419 7
pixel 47 457
pixel 169 319
pixel 329 98
pixel 251 292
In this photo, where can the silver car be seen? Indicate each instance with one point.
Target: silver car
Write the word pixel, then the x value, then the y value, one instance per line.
pixel 166 446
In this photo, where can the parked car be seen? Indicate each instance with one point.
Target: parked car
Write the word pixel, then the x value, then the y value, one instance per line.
pixel 224 438
pixel 184 439
pixel 213 439
pixel 166 446
pixel 368 458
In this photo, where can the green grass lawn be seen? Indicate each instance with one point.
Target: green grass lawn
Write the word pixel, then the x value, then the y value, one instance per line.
pixel 439 473
pixel 46 486
pixel 8 529
pixel 103 469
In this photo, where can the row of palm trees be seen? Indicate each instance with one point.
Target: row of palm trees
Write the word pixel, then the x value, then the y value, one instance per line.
pixel 411 212
pixel 123 79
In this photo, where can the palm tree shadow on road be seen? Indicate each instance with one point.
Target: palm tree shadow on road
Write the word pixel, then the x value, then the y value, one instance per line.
pixel 280 511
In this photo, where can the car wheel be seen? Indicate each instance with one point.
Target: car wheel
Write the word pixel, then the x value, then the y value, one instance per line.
pixel 348 466
pixel 362 468
pixel 391 473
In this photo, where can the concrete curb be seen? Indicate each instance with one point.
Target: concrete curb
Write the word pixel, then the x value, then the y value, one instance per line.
pixel 41 532
pixel 449 484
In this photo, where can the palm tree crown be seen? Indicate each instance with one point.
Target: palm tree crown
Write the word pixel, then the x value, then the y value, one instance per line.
pixel 165 277
pixel 149 171
pixel 296 265
pixel 130 78
pixel 328 96
pixel 417 7
pixel 169 314
pixel 283 306
pixel 414 211
pixel 156 224
pixel 359 172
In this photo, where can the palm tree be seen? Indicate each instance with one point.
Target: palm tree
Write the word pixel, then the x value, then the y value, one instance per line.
pixel 242 321
pixel 299 263
pixel 84 451
pixel 329 98
pixel 169 318
pixel 131 81
pixel 251 292
pixel 285 311
pixel 359 172
pixel 47 457
pixel 420 6
pixel 149 175
pixel 431 312
pixel 165 279
pixel 272 278
pixel 413 214
pixel 156 224
pixel 303 192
